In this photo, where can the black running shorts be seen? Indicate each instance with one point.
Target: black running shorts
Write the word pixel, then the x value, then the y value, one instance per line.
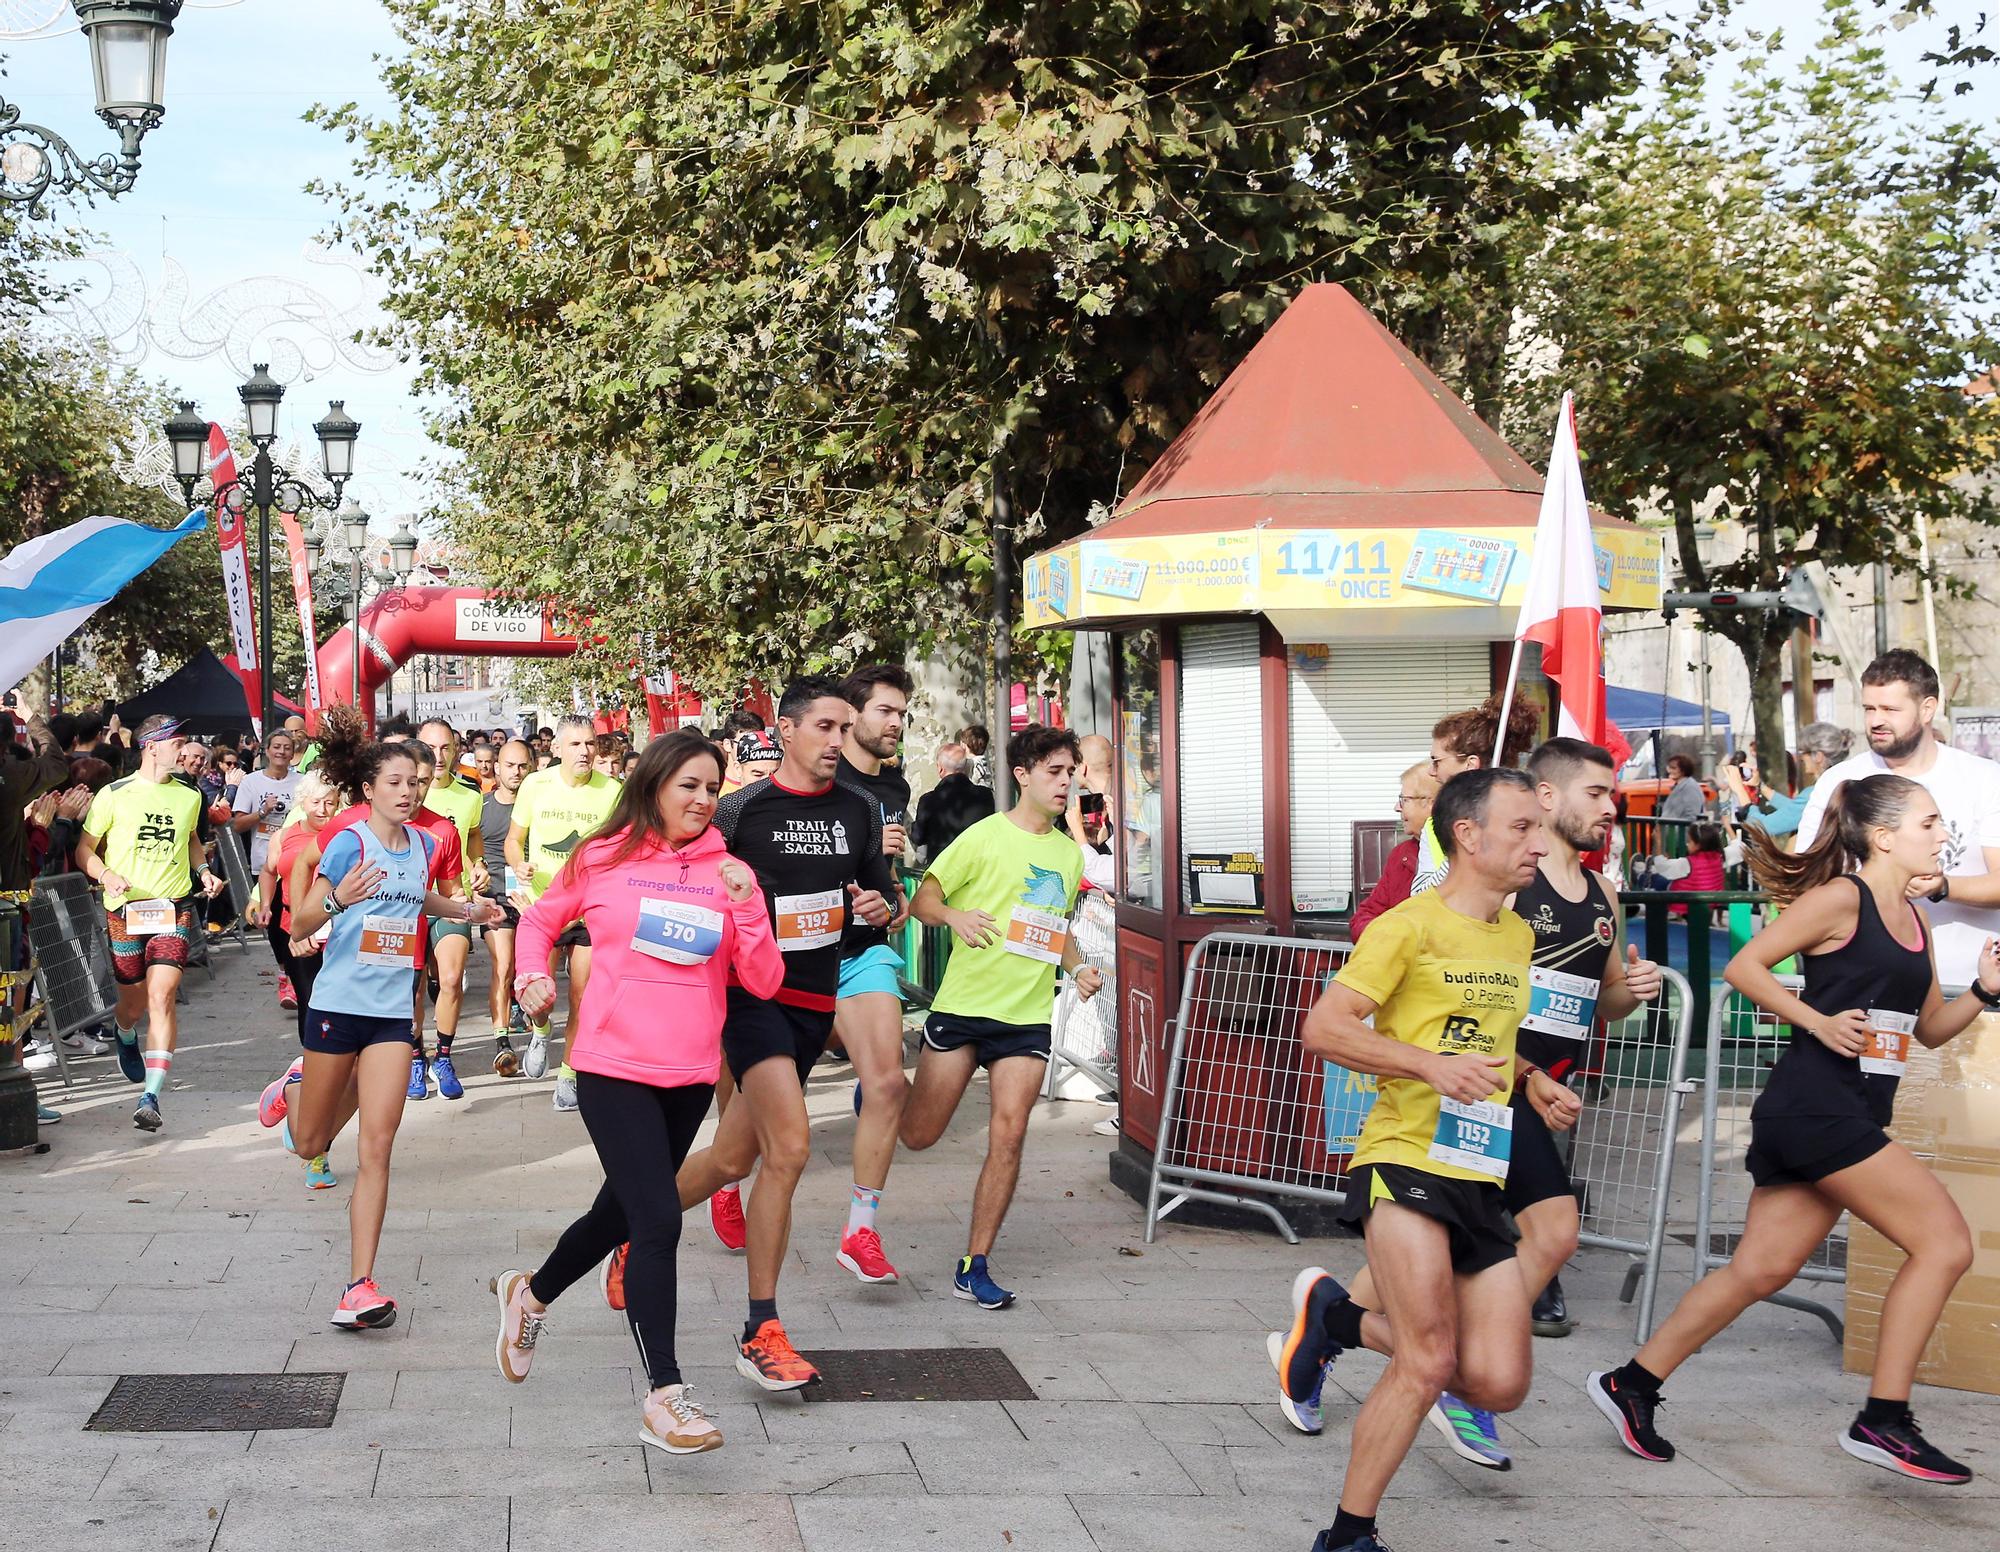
pixel 754 1031
pixel 1798 1150
pixel 1535 1170
pixel 991 1039
pixel 348 1034
pixel 1482 1234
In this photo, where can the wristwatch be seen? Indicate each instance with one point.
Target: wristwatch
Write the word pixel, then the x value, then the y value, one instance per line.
pixel 333 905
pixel 1943 890
pixel 1991 999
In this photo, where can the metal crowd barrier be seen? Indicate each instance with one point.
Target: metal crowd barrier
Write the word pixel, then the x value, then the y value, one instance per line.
pixel 1244 1116
pixel 1744 1042
pixel 70 950
pixel 236 871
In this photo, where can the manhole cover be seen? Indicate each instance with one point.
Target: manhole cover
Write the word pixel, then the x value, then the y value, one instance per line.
pixel 917 1374
pixel 217 1403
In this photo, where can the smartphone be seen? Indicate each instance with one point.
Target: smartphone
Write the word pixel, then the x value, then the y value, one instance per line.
pixel 1091 805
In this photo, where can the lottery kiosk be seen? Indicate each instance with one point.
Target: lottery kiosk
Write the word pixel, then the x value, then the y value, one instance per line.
pixel 1328 559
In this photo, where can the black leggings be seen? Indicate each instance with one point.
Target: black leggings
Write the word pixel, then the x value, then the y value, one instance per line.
pixel 641 1134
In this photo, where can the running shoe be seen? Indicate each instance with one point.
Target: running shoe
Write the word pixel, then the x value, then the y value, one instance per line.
pixel 1551 1312
pixel 319 1174
pixel 82 1042
pixel 611 1276
pixel 1631 1414
pixel 536 1063
pixel 447 1078
pixel 1902 1448
pixel 1471 1432
pixel 1368 1543
pixel 769 1359
pixel 130 1061
pixel 277 1098
pixel 1306 1351
pixel 505 1060
pixel 672 1420
pixel 419 1085
pixel 1302 1415
pixel 861 1253
pixel 45 1116
pixel 971 1281
pixel 288 999
pixel 285 1134
pixel 521 1327
pixel 725 1216
pixel 564 1097
pixel 517 1021
pixel 147 1115
pixel 364 1307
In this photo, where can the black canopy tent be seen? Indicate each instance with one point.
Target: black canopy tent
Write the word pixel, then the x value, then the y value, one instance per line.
pixel 203 693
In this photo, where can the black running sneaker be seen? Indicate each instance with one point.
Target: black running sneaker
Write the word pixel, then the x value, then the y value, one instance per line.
pixel 1368 1543
pixel 1902 1448
pixel 1631 1414
pixel 1551 1313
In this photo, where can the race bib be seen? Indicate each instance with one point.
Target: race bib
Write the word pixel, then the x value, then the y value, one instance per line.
pixel 676 933
pixel 810 921
pixel 1476 1137
pixel 1039 935
pixel 144 918
pixel 389 942
pixel 510 881
pixel 1561 1005
pixel 1888 1050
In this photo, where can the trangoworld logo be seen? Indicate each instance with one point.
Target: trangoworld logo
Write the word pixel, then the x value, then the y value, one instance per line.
pixel 1044 887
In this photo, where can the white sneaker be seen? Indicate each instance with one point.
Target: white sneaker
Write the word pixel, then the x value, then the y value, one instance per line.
pixel 40 1059
pixel 565 1095
pixel 536 1063
pixel 77 1043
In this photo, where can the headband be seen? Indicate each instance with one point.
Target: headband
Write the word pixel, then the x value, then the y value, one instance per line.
pixel 160 735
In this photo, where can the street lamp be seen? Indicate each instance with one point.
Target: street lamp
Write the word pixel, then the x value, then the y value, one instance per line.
pixel 344 543
pixel 268 485
pixel 128 66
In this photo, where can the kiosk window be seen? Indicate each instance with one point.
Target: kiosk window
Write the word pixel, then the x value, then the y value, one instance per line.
pixel 1221 743
pixel 1138 812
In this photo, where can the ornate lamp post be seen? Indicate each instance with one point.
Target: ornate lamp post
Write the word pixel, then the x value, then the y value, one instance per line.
pixel 128 64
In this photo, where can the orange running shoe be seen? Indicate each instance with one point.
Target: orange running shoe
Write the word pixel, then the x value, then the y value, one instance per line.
pixel 861 1253
pixel 769 1359
pixel 611 1277
pixel 725 1213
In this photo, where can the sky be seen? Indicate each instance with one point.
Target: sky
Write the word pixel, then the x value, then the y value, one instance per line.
pixel 221 201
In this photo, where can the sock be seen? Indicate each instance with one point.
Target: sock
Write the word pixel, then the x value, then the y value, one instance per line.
pixel 500 1031
pixel 1349 1528
pixel 157 1065
pixel 444 1040
pixel 126 1036
pixel 1878 1413
pixel 1342 1323
pixel 1637 1378
pixel 761 1310
pixel 861 1208
pixel 540 1031
pixel 732 1188
pixel 566 1072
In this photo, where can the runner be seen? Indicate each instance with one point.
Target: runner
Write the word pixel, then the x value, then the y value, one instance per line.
pixel 1444 980
pixel 141 842
pixel 869 1017
pixel 1818 1144
pixel 676 919
pixel 263 799
pixel 496 817
pixel 1005 888
pixel 451 941
pixel 755 755
pixel 816 846
pixel 553 810
pixel 298 959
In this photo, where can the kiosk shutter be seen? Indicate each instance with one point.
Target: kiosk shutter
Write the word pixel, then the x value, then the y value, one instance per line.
pixel 1221 739
pixel 1362 712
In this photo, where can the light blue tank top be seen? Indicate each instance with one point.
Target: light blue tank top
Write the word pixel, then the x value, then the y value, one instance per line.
pixel 369 963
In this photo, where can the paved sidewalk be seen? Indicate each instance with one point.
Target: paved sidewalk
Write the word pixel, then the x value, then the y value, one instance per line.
pixel 201 1250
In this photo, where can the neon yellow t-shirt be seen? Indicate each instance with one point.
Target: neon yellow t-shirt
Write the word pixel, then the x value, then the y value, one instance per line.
pixel 556 816
pixel 1441 982
pixel 1028 885
pixel 141 829
pixel 460 804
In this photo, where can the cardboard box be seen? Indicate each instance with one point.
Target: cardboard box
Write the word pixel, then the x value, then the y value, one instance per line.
pixel 1948 1114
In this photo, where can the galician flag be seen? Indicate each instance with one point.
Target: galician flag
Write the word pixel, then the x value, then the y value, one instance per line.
pixel 50 586
pixel 1561 607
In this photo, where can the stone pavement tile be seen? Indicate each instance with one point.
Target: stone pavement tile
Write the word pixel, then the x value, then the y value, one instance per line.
pixel 451 1390
pixel 155 1215
pixel 1173 1315
pixel 1269 1523
pixel 740 1522
pixel 1055 1369
pixel 1574 1472
pixel 856 1422
pixel 1198 1366
pixel 1315 1468
pixel 1940 1508
pixel 1805 1525
pixel 305 1324
pixel 821 1468
pixel 600 1427
pixel 134 1296
pixel 177 1474
pixel 374 1428
pixel 965 1524
pixel 466 1524
pixel 85 1266
pixel 441 1473
pixel 57 1297
pixel 70 1396
pixel 28 1359
pixel 6 1421
pixel 367 1392
pixel 123 1356
pixel 1560 1414
pixel 1824 1470
pixel 17 1249
pixel 45 1466
pixel 1112 1462
pixel 59 1523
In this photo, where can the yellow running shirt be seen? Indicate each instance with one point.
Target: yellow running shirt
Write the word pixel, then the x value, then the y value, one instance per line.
pixel 556 816
pixel 1027 884
pixel 461 805
pixel 1441 982
pixel 141 829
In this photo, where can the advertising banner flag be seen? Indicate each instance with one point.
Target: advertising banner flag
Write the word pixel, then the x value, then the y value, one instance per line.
pixel 236 575
pixel 302 592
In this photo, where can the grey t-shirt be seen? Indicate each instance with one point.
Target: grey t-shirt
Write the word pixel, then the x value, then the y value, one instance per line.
pixel 494 818
pixel 251 792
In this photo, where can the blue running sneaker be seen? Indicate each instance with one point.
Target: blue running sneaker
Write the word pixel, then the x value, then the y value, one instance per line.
pixel 419 1087
pixel 1472 1434
pixel 47 1117
pixel 319 1175
pixel 1305 1352
pixel 1368 1543
pixel 972 1282
pixel 147 1116
pixel 285 1134
pixel 130 1061
pixel 447 1078
pixel 1304 1414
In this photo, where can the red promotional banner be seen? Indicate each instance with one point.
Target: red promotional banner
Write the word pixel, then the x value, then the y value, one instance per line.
pixel 302 591
pixel 236 575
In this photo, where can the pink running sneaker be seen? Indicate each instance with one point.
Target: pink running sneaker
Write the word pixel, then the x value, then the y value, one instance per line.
pixel 365 1307
pixel 725 1214
pixel 272 1107
pixel 861 1254
pixel 288 999
pixel 520 1327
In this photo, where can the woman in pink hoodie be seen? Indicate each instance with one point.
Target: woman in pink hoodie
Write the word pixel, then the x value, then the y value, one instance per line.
pixel 670 914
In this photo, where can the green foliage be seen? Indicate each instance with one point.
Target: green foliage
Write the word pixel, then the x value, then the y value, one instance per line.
pixel 739 306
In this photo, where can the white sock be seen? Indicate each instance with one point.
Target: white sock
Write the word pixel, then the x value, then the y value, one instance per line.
pixel 861 1208
pixel 126 1036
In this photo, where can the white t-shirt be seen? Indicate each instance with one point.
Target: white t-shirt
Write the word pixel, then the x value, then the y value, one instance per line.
pixel 1966 790
pixel 250 794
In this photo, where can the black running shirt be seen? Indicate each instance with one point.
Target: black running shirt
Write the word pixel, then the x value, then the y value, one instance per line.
pixel 1574 941
pixel 891 793
pixel 806 848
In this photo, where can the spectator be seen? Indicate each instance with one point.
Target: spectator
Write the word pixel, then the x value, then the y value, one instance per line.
pixel 952 807
pixel 1399 869
pixel 976 740
pixel 23 778
pixel 605 756
pixel 59 817
pixel 1091 820
pixel 1686 799
pixel 1746 789
pixel 1821 744
pixel 1711 852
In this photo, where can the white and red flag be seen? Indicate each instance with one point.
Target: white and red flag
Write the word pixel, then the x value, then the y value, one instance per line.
pixel 236 575
pixel 302 593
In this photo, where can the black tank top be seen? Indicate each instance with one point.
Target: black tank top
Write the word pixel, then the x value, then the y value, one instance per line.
pixel 1871 971
pixel 1573 944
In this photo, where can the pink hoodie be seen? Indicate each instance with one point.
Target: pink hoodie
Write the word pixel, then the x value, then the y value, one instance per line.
pixel 664 935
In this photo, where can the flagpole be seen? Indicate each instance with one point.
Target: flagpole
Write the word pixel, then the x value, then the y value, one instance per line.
pixel 1507 701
